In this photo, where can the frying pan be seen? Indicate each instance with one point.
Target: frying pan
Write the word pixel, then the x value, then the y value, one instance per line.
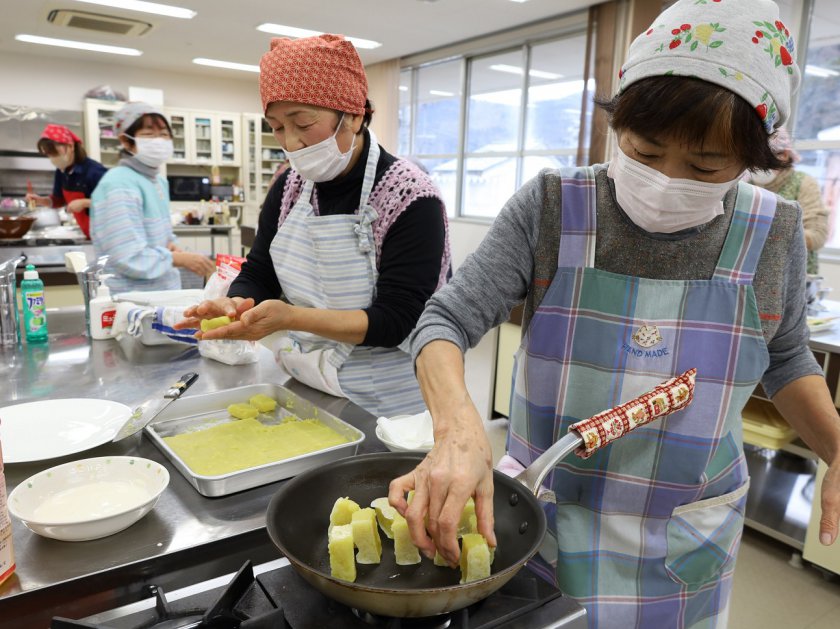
pixel 299 512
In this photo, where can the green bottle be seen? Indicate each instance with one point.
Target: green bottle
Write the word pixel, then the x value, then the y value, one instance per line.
pixel 34 308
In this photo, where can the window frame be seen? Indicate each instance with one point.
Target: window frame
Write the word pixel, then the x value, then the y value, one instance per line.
pixel 575 27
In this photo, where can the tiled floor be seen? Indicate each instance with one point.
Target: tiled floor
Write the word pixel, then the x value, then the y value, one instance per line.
pixel 769 593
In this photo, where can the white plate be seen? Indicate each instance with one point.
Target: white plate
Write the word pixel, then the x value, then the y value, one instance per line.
pixel 48 429
pixel 817 325
pixel 395 447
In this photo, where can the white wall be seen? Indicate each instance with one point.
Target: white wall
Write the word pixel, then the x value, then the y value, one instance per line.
pixel 480 362
pixel 56 83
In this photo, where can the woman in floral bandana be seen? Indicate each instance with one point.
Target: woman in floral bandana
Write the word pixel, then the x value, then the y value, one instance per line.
pixel 633 272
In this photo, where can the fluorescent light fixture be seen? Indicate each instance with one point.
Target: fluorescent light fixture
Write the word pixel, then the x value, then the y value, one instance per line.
pixel 145 7
pixel 292 31
pixel 440 93
pixel 537 74
pixel 228 65
pixel 820 72
pixel 519 1
pixel 80 45
pixel 403 88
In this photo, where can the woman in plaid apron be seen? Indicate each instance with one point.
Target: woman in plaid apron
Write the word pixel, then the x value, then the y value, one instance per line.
pixel 632 273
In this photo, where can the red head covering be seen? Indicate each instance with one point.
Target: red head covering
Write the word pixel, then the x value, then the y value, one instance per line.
pixel 324 71
pixel 60 134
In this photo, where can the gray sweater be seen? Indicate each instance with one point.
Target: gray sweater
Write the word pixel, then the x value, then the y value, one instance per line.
pixel 522 243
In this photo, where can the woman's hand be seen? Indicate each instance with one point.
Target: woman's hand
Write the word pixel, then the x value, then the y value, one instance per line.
pixel 78 205
pixel 460 465
pixel 231 307
pixel 31 197
pixel 830 505
pixel 253 322
pixel 195 262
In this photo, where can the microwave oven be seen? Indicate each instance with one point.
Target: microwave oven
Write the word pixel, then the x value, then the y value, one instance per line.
pixel 194 188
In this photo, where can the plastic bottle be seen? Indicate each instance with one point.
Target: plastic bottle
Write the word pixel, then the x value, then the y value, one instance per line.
pixel 102 312
pixel 7 555
pixel 34 306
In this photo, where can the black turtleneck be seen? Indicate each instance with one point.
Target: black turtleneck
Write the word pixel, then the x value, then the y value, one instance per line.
pixel 409 265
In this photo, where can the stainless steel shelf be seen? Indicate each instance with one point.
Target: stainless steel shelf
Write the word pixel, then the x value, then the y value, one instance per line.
pixel 781 493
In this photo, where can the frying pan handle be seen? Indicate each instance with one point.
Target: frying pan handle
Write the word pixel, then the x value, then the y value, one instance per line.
pixel 587 436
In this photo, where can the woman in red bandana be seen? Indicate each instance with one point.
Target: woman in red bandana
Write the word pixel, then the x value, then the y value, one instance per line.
pixel 76 174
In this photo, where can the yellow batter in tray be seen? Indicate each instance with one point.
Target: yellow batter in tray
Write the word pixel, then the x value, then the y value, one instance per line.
pixel 248 443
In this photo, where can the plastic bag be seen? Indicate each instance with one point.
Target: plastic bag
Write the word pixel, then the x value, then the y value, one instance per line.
pixel 226 351
pixel 105 92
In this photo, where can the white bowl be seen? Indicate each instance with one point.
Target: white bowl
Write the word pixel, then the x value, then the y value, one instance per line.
pixel 393 446
pixel 90 498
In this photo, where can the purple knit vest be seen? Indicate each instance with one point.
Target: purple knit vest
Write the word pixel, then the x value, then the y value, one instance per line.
pixel 400 186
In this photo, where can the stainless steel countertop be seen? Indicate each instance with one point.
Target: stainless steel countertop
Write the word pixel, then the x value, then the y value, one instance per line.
pixel 186 537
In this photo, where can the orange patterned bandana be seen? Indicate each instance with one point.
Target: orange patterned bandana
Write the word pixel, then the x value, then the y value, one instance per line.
pixel 324 71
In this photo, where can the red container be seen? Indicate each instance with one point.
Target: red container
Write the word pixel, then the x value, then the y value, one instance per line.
pixel 7 555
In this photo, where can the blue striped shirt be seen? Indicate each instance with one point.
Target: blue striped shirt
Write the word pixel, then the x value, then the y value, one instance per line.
pixel 129 219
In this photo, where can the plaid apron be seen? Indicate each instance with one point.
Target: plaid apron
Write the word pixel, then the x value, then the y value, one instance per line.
pixel 645 531
pixel 330 262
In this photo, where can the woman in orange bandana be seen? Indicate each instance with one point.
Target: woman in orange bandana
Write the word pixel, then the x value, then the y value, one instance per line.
pixel 76 174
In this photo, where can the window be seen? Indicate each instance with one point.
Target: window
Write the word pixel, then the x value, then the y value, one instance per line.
pixel 817 129
pixel 485 124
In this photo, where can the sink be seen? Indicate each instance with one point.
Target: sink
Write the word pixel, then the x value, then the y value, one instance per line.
pixel 67 320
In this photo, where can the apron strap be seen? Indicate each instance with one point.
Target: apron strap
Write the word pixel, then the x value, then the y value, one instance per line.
pixel 751 222
pixel 579 215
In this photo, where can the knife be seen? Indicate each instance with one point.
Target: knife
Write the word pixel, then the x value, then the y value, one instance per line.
pixel 148 410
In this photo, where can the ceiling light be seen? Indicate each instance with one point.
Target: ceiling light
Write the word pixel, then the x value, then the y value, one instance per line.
pixel 145 7
pixel 519 1
pixel 80 45
pixel 820 72
pixel 229 65
pixel 537 74
pixel 292 31
pixel 440 93
pixel 403 88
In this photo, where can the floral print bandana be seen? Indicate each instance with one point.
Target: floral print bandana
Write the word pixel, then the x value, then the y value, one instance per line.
pixel 741 45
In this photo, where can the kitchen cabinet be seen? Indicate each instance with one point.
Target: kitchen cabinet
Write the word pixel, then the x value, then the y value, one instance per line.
pixel 101 140
pixel 179 121
pixel 263 157
pixel 199 138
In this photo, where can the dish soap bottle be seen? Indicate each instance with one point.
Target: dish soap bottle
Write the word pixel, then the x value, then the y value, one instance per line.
pixel 7 555
pixel 102 312
pixel 34 308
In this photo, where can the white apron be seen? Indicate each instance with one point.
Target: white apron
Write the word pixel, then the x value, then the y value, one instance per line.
pixel 330 262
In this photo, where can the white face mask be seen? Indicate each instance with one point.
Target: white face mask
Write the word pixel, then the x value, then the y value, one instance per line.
pixel 153 151
pixel 763 177
pixel 659 204
pixel 62 160
pixel 323 161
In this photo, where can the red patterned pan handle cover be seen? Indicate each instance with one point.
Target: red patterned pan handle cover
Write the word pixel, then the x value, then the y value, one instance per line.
pixel 607 426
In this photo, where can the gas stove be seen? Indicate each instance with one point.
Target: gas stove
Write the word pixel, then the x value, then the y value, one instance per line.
pixel 272 595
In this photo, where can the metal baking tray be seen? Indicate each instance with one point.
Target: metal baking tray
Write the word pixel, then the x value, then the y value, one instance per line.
pixel 196 412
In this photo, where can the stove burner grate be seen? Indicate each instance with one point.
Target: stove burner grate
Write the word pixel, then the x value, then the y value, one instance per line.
pixel 222 614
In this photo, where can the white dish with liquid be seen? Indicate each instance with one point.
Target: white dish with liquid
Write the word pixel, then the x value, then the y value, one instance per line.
pixel 89 499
